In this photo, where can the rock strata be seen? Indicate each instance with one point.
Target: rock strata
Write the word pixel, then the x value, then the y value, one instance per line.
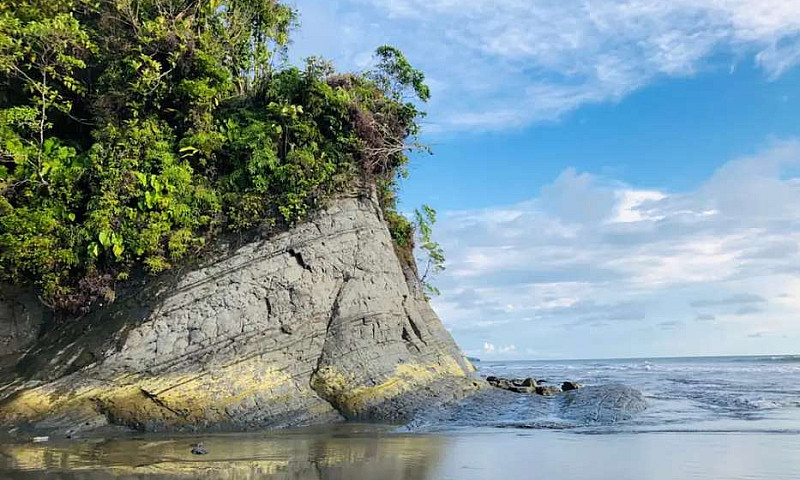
pixel 317 324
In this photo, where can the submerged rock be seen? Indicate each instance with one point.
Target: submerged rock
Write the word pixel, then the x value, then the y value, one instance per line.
pixel 601 404
pixel 314 325
pixel 587 407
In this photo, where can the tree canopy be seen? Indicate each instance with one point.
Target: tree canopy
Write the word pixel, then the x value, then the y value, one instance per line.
pixel 133 132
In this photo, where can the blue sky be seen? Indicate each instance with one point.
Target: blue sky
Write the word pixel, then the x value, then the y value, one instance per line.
pixel 614 178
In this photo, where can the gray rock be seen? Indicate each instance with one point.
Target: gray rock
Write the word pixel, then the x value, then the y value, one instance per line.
pixel 21 318
pixel 522 389
pixel 601 404
pixel 529 382
pixel 199 449
pixel 313 325
pixel 517 385
pixel 502 383
pixel 548 390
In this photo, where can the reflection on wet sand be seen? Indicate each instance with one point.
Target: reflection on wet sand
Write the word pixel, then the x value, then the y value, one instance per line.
pixel 348 453
pixel 344 453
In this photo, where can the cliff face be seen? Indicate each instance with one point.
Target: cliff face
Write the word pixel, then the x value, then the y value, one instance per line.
pixel 314 325
pixel 21 317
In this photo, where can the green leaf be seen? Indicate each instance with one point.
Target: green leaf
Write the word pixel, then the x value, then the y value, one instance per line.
pixel 118 250
pixel 188 151
pixel 142 178
pixel 105 238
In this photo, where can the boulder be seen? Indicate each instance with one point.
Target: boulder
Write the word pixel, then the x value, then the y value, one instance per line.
pixel 517 385
pixel 504 383
pixel 529 382
pixel 547 391
pixel 567 386
pixel 523 389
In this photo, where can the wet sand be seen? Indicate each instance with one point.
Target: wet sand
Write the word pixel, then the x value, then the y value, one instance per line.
pixel 355 452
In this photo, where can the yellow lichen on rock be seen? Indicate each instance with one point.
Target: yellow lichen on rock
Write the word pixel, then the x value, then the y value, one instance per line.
pixel 45 401
pixel 406 377
pixel 26 404
pixel 352 398
pixel 169 399
pixel 194 398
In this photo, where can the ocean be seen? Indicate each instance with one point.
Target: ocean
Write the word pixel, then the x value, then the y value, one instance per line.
pixel 736 394
pixel 716 418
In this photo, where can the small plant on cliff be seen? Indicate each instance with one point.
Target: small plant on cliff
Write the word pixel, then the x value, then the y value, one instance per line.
pixel 432 254
pixel 133 132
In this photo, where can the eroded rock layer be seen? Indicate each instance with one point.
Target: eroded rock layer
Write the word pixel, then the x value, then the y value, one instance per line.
pixel 313 325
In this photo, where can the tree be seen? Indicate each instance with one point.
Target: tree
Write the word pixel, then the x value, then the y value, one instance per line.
pixel 134 132
pixel 432 254
pixel 43 53
pixel 396 77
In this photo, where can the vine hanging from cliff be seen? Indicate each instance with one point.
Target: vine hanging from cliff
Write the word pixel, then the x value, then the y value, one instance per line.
pixel 133 132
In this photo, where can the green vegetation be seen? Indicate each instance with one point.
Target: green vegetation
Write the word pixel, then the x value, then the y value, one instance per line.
pixel 432 252
pixel 132 132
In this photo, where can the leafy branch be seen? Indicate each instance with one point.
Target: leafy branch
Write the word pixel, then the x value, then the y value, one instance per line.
pixel 432 254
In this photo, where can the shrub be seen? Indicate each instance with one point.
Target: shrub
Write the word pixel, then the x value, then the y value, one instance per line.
pixel 133 132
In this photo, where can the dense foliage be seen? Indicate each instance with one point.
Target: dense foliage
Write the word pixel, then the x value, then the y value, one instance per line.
pixel 134 131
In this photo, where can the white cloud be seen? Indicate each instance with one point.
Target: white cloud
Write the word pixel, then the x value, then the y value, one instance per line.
pixel 491 349
pixel 506 63
pixel 632 205
pixel 589 251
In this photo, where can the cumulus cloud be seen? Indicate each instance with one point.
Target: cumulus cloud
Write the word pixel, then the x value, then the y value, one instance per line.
pixel 490 349
pixel 595 253
pixel 496 64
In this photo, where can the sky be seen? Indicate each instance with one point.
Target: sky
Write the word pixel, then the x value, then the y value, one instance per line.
pixel 614 178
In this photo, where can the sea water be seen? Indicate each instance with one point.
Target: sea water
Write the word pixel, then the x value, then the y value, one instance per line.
pixel 734 418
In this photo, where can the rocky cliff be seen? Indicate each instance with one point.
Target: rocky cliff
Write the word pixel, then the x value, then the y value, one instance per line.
pixel 313 325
